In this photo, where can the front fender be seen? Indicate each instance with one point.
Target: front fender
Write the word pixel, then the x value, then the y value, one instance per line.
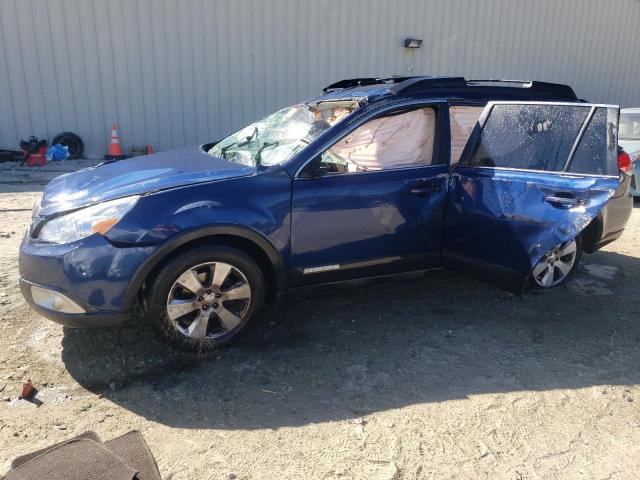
pixel 256 208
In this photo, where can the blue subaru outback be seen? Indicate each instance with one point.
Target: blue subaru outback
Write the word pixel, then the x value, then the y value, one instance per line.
pixel 508 181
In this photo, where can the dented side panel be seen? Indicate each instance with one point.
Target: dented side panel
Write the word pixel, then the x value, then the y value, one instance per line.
pixel 514 195
pixel 506 218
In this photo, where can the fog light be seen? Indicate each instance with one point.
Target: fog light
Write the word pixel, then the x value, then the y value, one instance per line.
pixel 54 301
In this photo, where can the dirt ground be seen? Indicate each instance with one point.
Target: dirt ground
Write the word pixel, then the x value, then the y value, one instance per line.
pixel 436 377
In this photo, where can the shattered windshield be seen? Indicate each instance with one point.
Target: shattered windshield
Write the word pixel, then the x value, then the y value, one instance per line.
pixel 278 137
pixel 629 126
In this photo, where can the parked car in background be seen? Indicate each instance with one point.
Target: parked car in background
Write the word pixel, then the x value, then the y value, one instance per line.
pixel 630 141
pixel 507 181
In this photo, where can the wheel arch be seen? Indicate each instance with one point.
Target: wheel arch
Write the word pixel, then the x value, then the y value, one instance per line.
pixel 245 240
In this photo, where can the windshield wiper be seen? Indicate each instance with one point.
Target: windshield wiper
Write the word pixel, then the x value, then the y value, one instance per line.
pixel 258 156
pixel 246 141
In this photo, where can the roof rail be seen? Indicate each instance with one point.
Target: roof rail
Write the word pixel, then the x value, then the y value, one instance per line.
pixel 497 80
pixel 362 82
pixel 546 87
pixel 415 85
pixel 419 81
pixel 352 82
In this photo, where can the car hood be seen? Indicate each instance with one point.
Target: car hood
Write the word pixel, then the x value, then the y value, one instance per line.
pixel 135 176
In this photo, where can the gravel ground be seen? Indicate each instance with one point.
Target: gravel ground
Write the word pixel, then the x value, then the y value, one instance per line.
pixel 432 377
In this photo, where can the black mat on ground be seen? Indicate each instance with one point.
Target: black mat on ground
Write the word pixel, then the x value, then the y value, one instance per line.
pixel 25 458
pixel 132 448
pixel 77 459
pixel 85 457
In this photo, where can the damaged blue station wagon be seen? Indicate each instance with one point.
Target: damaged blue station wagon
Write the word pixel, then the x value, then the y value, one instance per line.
pixel 508 181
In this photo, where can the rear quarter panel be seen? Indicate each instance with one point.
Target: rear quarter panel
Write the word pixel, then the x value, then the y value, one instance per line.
pixel 617 211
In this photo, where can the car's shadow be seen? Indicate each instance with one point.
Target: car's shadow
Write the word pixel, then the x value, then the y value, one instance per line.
pixel 351 352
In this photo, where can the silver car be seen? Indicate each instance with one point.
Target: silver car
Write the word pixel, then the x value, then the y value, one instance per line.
pixel 629 139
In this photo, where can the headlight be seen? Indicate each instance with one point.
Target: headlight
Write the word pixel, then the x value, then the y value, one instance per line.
pixel 82 223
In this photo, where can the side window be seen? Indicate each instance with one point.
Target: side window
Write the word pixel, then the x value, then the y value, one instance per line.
pixel 597 150
pixel 630 125
pixel 529 136
pixel 390 142
pixel 462 122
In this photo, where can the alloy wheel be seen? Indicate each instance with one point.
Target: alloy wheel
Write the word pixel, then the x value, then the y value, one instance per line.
pixel 208 300
pixel 556 265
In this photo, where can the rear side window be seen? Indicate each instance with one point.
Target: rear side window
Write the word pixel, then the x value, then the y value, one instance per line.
pixel 463 120
pixel 597 151
pixel 529 136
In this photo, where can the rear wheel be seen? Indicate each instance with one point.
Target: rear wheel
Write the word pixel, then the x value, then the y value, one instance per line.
pixel 558 265
pixel 207 298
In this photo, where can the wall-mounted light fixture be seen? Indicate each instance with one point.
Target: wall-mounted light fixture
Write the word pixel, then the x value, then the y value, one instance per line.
pixel 412 43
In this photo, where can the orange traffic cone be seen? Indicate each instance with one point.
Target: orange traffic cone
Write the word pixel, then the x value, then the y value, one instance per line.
pixel 150 149
pixel 114 152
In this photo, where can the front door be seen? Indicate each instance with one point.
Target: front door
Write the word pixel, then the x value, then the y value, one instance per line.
pixel 374 202
pixel 532 177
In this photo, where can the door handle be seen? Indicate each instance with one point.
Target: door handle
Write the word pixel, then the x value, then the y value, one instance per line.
pixel 427 189
pixel 565 202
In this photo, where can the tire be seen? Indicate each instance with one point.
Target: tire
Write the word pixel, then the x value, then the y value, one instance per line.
pixel 563 267
pixel 73 142
pixel 215 316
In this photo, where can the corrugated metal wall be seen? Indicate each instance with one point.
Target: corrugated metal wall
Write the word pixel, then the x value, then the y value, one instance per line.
pixel 174 72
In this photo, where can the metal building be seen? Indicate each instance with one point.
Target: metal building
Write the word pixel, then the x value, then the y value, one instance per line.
pixel 172 73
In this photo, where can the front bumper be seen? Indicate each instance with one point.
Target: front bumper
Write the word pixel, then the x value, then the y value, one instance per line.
pixel 89 319
pixel 93 273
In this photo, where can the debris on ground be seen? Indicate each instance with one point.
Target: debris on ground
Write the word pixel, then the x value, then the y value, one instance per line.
pixel 28 390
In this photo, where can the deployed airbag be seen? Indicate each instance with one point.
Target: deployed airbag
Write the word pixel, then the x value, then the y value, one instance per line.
pixel 390 142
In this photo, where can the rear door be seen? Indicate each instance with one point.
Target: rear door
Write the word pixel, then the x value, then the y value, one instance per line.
pixel 532 176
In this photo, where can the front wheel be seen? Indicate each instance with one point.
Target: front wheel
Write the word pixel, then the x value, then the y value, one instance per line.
pixel 558 265
pixel 207 298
